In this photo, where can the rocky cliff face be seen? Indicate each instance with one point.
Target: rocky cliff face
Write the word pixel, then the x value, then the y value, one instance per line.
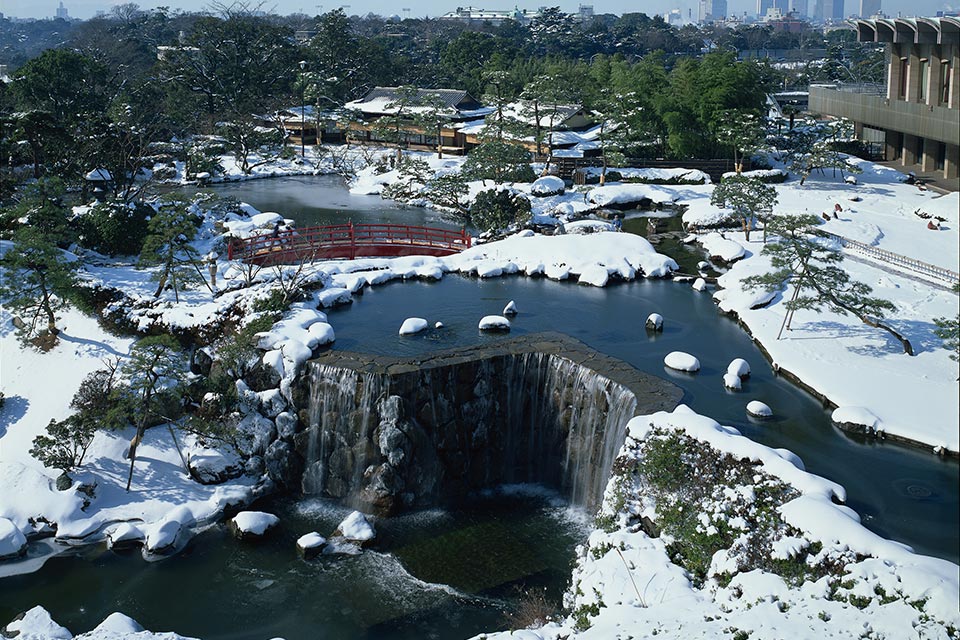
pixel 387 435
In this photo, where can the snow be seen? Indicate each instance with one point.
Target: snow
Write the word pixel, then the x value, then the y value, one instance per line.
pixel 117 623
pixel 681 361
pixel 547 186
pixel 411 326
pixel 311 540
pixel 356 527
pixel 859 416
pixel 732 381
pixel 510 309
pixel 654 322
pixel 699 285
pixel 739 367
pixel 722 248
pixel 12 540
pixel 255 522
pixel 758 409
pixel 37 624
pixel 124 532
pixel 494 323
pixel 629 194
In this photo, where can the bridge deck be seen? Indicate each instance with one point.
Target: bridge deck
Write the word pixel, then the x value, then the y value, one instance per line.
pixel 347 242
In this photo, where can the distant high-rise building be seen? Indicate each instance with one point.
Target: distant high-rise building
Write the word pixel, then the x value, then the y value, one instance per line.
pixel 799 8
pixel 62 12
pixel 828 11
pixel 869 8
pixel 713 10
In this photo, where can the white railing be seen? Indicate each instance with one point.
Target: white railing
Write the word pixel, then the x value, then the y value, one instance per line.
pixel 898 261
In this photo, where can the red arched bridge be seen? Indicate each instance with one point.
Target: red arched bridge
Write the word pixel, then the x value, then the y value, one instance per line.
pixel 347 241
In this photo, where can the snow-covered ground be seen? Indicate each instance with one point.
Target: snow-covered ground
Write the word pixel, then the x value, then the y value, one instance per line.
pixel 852 364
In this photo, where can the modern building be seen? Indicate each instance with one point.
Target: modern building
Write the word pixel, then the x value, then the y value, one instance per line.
pixel 764 8
pixel 712 11
pixel 62 12
pixel 869 8
pixel 917 115
pixel 799 8
pixel 474 16
pixel 828 11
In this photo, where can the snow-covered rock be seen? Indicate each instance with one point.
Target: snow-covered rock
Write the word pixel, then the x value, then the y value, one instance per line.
pixel 439 325
pixel 595 275
pixel 209 466
pixel 722 249
pixel 739 367
pixel 36 624
pixel 163 536
pixel 547 186
pixel 758 409
pixel 856 419
pixel 355 528
pixel 732 381
pixel 510 309
pixel 117 624
pixel 12 541
pixel 699 284
pixel 494 323
pixel 654 322
pixel 682 361
pixel 311 545
pixel 124 535
pixel 252 525
pixel 411 326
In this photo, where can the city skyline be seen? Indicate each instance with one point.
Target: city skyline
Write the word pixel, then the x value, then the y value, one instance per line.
pixel 85 9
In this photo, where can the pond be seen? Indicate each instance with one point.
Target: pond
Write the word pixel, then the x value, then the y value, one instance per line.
pixel 453 572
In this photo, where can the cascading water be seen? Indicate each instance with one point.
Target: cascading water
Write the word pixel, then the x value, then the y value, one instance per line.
pixel 396 435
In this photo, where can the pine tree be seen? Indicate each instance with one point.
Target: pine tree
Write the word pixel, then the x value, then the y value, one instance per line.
pixel 804 257
pixel 37 281
pixel 749 198
pixel 168 246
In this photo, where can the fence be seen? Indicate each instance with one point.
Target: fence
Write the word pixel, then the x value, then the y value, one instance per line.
pixel 897 260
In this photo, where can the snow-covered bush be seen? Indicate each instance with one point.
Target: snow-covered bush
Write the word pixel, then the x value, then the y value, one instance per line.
pixel 115 228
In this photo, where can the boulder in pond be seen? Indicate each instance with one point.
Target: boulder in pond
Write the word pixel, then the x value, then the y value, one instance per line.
pixel 739 367
pixel 311 545
pixel 357 529
pixel 13 543
pixel 494 323
pixel 252 525
pixel 732 381
pixel 681 361
pixel 757 409
pixel 654 322
pixel 411 326
pixel 510 309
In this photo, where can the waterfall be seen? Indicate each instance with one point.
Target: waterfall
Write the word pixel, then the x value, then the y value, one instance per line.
pixel 401 435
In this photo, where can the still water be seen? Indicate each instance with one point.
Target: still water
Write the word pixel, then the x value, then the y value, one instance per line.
pixel 452 573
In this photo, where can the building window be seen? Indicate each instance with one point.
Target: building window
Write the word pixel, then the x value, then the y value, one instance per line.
pixel 904 69
pixel 924 78
pixel 944 82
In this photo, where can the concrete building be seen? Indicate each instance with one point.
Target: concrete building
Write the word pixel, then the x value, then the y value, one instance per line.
pixel 869 8
pixel 475 16
pixel 799 8
pixel 62 12
pixel 917 116
pixel 712 11
pixel 828 11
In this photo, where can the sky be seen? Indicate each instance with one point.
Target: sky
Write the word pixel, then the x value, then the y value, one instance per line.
pixel 88 8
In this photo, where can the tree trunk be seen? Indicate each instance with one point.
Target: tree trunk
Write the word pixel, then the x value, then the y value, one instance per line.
pixel 48 308
pixel 907 347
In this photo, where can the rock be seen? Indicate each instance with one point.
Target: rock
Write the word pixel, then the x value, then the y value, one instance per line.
pixel 654 322
pixel 510 309
pixel 732 381
pixel 857 419
pixel 124 536
pixel 699 284
pixel 35 624
pixel 116 623
pixel 162 537
pixel 547 186
pixel 682 361
pixel 209 466
pixel 357 529
pixel 311 545
pixel 286 422
pixel 439 325
pixel 757 409
pixel 252 525
pixel 283 465
pixel 494 323
pixel 739 367
pixel 272 402
pixel 200 362
pixel 411 326
pixel 703 265
pixel 13 543
pixel 850 180
pixel 254 466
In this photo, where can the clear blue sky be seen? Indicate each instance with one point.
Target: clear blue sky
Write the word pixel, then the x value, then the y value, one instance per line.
pixel 87 8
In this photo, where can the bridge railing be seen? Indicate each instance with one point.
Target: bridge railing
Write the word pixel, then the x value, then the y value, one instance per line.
pixel 896 260
pixel 349 241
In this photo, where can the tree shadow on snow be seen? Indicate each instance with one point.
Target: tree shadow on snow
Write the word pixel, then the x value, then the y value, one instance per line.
pixel 918 332
pixel 103 346
pixel 14 408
